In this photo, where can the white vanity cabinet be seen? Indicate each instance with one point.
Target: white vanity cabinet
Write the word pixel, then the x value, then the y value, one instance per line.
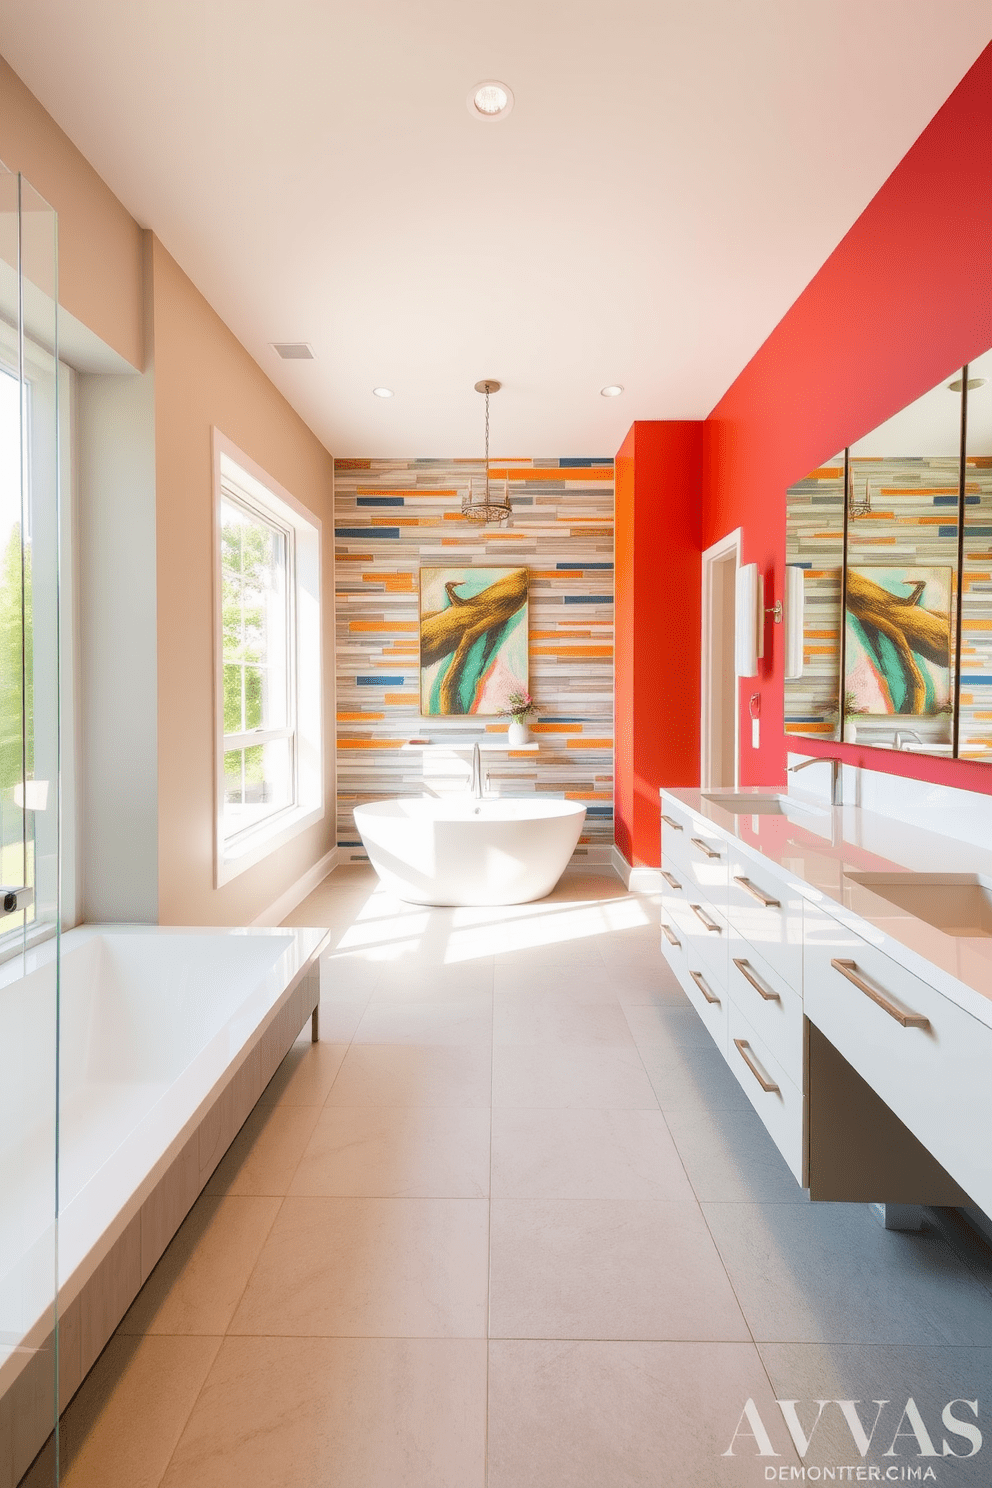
pixel 928 1059
pixel 874 1084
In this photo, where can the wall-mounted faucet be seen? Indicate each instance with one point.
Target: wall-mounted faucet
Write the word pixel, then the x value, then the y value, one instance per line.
pixel 835 776
pixel 903 735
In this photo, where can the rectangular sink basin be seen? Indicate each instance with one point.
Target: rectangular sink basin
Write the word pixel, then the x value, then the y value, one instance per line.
pixel 744 804
pixel 957 903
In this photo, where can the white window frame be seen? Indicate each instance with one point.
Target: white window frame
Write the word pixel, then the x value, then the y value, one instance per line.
pixel 53 591
pixel 238 477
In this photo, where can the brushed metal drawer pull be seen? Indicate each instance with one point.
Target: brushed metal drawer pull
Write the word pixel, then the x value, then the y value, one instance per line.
pixel 768 1086
pixel 704 918
pixel 763 899
pixel 849 969
pixel 709 996
pixel 670 935
pixel 670 879
pixel 671 822
pixel 710 852
pixel 747 972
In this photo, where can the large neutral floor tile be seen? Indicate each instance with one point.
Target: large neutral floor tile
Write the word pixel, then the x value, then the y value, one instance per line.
pixel 307 1072
pixel 667 1026
pixel 634 1269
pixel 469 1020
pixel 548 1075
pixel 554 1018
pixel 263 1156
pixel 730 1158
pixel 338 1413
pixel 585 1154
pixel 864 1376
pixel 414 1075
pixel 346 1267
pixel 434 981
pixel 625 1415
pixel 829 1273
pixel 122 1426
pixel 583 982
pixel 691 1077
pixel 436 1152
pixel 198 1283
pixel 340 1015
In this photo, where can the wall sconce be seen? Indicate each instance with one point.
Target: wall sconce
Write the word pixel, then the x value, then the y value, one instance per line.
pixel 795 618
pixel 749 603
pixel 750 620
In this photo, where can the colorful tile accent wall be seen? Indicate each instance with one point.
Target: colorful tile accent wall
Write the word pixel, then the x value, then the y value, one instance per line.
pixel 391 517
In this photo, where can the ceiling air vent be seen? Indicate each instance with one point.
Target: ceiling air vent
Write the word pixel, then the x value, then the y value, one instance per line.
pixel 293 351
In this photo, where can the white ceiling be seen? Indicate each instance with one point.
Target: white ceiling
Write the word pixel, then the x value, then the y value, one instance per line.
pixel 672 175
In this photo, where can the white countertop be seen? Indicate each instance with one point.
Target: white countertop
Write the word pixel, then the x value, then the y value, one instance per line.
pixel 812 853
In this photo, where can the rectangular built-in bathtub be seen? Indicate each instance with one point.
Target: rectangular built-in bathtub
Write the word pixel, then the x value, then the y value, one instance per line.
pixel 167 1038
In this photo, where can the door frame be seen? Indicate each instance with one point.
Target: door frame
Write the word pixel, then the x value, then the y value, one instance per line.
pixel 719 552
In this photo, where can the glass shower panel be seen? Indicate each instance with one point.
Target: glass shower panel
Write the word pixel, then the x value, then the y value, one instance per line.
pixel 29 829
pixel 900 632
pixel 975 707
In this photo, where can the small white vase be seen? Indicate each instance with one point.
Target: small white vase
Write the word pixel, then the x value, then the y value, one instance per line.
pixel 518 733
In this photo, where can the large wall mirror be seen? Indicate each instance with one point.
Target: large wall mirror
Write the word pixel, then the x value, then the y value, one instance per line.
pixel 897 620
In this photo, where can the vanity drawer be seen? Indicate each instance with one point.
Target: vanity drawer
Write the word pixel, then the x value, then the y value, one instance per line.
pixel 770 1005
pixel 697 979
pixel 769 916
pixel 929 1060
pixel 782 1107
pixel 704 929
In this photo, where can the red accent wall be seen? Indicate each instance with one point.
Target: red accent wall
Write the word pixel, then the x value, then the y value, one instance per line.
pixel 658 476
pixel 904 300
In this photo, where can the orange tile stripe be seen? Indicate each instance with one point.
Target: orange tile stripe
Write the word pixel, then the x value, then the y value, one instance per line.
pixel 371 743
pixel 823 635
pixel 360 717
pixel 589 744
pixel 598 474
pixel 588 795
pixel 399 521
pixel 385 625
pixel 572 651
pixel 398 491
pixel 977 625
pixel 556 728
pixel 393 582
pixel 354 558
pixel 399 698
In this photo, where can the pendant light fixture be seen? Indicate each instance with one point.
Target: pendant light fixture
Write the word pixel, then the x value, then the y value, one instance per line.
pixel 487 507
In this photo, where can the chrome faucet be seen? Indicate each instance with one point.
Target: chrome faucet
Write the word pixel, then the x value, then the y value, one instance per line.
pixel 835 777
pixel 902 735
pixel 476 785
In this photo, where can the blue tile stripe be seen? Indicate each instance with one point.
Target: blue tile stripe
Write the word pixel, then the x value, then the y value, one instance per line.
pixel 367 532
pixel 583 567
pixel 597 599
pixel 379 681
pixel 380 501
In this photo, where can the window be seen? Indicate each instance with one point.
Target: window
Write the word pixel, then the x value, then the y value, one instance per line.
pixel 32 546
pixel 270 773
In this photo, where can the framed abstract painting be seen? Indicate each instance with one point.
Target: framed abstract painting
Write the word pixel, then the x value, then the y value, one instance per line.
pixel 473 640
pixel 898 641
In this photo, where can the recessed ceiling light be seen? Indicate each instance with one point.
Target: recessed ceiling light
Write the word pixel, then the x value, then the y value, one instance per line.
pixel 489 101
pixel 293 351
pixel 381 392
pixel 973 382
pixel 613 391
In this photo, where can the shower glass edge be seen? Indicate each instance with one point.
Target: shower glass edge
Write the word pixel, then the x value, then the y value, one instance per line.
pixel 30 834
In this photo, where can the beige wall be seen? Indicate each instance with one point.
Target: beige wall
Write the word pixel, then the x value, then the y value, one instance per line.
pixel 205 378
pixel 99 242
pixel 121 283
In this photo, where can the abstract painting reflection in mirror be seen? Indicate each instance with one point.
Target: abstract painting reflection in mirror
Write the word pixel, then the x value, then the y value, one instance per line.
pixel 898 641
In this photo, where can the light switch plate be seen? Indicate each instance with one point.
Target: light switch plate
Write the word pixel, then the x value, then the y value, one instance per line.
pixel 755 732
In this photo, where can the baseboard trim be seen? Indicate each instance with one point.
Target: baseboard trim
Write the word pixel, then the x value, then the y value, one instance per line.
pixel 639 880
pixel 297 892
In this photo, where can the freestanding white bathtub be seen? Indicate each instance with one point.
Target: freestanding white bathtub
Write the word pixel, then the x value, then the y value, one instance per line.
pixel 167 1039
pixel 460 850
